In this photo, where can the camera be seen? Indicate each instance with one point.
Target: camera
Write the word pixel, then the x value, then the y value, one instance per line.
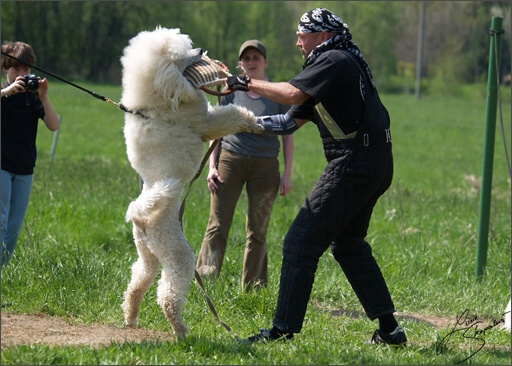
pixel 31 82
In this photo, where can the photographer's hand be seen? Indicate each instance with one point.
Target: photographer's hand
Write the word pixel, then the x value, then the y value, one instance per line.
pixel 18 86
pixel 43 89
pixel 51 118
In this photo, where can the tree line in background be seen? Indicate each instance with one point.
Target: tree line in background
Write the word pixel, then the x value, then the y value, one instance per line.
pixel 85 39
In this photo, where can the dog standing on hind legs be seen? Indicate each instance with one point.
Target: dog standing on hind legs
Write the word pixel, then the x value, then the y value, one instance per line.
pixel 166 125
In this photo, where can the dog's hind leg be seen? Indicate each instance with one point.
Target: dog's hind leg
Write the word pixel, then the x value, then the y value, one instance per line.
pixel 153 202
pixel 174 284
pixel 144 271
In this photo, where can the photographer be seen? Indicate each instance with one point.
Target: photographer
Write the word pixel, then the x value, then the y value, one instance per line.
pixel 24 101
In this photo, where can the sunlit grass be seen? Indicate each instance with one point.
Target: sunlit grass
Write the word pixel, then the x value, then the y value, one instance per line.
pixel 74 255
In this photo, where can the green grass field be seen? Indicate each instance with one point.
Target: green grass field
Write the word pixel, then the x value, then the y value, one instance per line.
pixel 74 255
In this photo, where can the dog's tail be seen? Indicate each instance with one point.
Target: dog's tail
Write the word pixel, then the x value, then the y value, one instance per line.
pixel 154 201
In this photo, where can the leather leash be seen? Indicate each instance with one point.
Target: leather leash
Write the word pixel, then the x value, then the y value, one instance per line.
pixel 182 210
pixel 217 93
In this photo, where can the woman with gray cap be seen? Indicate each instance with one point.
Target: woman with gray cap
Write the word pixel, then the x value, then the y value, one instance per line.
pixel 250 160
pixel 336 91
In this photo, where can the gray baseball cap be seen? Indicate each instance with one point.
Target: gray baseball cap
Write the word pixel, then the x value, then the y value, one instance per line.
pixel 254 43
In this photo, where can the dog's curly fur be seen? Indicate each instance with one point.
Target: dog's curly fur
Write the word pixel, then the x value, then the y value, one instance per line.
pixel 165 144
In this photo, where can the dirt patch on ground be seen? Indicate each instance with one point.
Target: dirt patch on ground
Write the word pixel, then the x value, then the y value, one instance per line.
pixel 439 322
pixel 20 329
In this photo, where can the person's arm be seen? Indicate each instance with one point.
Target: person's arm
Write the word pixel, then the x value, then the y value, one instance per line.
pixel 288 150
pixel 280 124
pixel 51 118
pixel 280 92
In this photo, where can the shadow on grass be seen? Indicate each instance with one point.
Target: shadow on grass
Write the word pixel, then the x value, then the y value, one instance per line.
pixel 435 322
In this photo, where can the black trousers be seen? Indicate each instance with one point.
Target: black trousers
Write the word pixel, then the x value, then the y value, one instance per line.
pixel 337 213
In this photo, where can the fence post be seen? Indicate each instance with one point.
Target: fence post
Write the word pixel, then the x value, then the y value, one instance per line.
pixel 55 140
pixel 419 51
pixel 490 132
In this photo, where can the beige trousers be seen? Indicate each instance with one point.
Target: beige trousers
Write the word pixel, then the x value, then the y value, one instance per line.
pixel 261 179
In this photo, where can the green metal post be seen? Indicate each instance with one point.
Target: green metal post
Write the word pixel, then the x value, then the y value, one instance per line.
pixel 490 132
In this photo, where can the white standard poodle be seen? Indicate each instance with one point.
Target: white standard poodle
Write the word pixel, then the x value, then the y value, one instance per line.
pixel 167 123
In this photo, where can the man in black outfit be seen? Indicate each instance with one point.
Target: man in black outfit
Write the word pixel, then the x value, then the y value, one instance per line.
pixel 336 91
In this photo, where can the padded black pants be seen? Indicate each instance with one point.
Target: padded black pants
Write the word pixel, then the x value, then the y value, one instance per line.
pixel 337 213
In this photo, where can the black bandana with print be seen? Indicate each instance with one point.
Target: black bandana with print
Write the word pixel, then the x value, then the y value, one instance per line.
pixel 322 19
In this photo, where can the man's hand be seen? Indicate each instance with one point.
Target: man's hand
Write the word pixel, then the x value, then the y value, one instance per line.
pixel 238 83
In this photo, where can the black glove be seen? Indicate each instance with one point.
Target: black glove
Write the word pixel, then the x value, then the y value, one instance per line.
pixel 239 83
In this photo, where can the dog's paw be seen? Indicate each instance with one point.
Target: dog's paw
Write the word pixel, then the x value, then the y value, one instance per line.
pixel 132 324
pixel 256 128
pixel 249 123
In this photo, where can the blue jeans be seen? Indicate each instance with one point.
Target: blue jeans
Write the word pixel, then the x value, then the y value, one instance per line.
pixel 15 197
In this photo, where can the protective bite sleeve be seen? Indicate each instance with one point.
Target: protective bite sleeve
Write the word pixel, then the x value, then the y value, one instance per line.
pixel 279 124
